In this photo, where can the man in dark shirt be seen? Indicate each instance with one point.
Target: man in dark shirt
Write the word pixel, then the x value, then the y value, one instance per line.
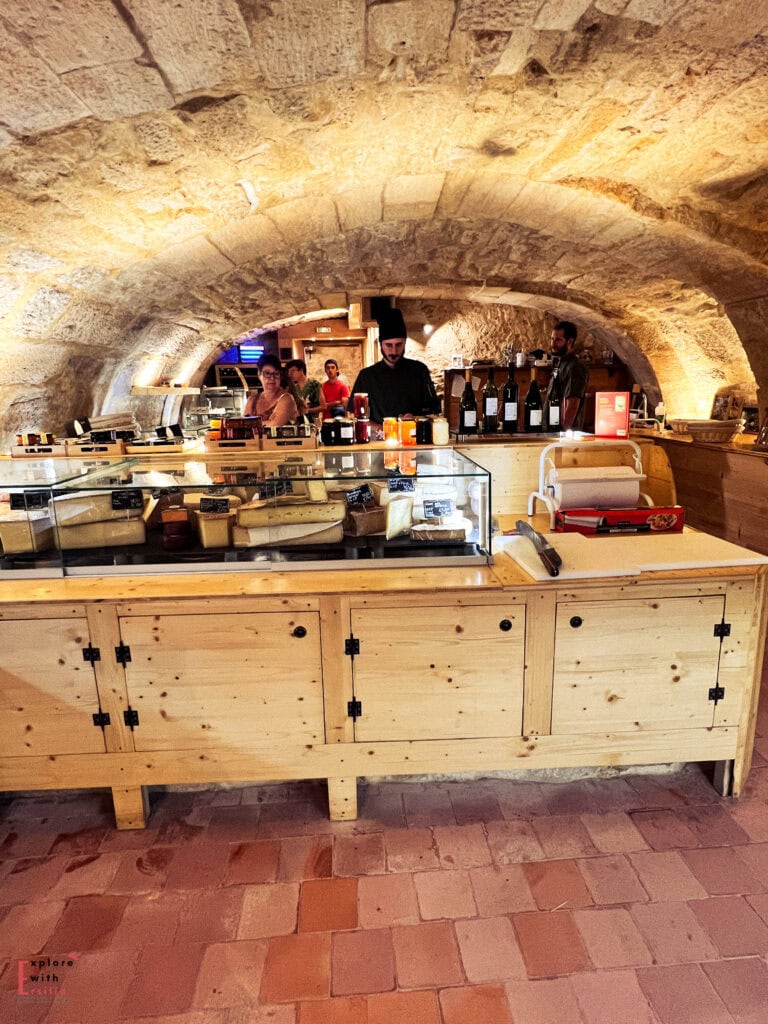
pixel 572 375
pixel 395 385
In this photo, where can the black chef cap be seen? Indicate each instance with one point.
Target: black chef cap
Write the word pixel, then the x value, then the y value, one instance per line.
pixel 392 325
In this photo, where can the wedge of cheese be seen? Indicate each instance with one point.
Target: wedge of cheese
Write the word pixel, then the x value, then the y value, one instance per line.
pixel 101 535
pixel 23 532
pixel 88 507
pixel 289 535
pixel 214 528
pixel 269 514
pixel 192 499
pixel 399 516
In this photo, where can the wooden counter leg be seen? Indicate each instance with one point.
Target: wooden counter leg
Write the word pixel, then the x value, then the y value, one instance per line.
pixel 131 806
pixel 724 778
pixel 342 799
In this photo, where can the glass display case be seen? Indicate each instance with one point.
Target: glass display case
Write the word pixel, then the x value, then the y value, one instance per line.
pixel 307 509
pixel 28 543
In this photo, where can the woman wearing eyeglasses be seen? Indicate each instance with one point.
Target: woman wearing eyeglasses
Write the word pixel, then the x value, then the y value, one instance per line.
pixel 275 404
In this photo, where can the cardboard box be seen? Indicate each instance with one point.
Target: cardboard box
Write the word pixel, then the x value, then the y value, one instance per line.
pixel 596 521
pixel 612 414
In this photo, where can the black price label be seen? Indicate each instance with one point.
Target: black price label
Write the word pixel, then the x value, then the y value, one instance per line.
pixel 400 484
pixel 217 505
pixel 124 500
pixel 273 488
pixel 359 495
pixel 30 500
pixel 438 508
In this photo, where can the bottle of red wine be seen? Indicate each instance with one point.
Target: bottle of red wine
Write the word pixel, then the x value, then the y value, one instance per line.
pixel 554 404
pixel 509 400
pixel 468 406
pixel 534 408
pixel 490 405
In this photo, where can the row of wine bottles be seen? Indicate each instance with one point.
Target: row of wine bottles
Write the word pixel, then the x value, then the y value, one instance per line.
pixel 500 410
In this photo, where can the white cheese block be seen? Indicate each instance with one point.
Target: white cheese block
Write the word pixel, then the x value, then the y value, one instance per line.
pixel 287 535
pixel 399 516
pixel 102 535
pixel 268 514
pixel 191 499
pixel 88 507
pixel 23 532
pixel 214 528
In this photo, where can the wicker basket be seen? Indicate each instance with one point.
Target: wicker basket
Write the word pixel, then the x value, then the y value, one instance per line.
pixel 678 426
pixel 714 431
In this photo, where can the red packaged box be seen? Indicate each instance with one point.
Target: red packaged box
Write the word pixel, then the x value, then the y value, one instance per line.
pixel 596 521
pixel 612 414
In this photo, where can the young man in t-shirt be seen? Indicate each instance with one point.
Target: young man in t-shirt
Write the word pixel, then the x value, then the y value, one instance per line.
pixel 308 388
pixel 335 391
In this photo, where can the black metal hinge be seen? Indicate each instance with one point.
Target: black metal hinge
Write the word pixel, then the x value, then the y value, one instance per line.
pixel 131 717
pixel 722 629
pixel 100 719
pixel 91 653
pixel 352 645
pixel 123 654
pixel 354 709
pixel 716 693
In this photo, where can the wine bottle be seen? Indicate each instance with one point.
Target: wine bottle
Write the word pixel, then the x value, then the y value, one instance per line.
pixel 509 400
pixel 534 409
pixel 490 405
pixel 468 406
pixel 554 403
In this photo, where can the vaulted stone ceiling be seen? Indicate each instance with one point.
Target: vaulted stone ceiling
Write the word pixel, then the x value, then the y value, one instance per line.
pixel 175 174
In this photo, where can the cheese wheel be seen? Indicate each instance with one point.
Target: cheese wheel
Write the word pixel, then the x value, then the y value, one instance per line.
pixel 192 499
pixel 88 507
pixel 23 532
pixel 259 514
pixel 101 535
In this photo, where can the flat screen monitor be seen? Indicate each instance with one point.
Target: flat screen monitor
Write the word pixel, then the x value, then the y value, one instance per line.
pixel 250 352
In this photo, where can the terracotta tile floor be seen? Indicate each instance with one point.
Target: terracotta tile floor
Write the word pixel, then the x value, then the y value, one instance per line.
pixel 641 899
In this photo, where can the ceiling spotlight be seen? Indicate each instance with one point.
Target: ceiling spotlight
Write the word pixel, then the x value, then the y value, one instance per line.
pixel 428 328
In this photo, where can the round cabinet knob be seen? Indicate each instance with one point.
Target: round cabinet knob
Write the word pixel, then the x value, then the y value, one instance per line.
pixel 505 625
pixel 576 621
pixel 300 631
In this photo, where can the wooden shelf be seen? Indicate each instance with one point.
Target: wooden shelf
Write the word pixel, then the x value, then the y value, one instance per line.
pixel 162 389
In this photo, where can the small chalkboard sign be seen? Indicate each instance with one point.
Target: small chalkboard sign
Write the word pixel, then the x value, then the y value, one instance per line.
pixel 401 484
pixel 359 495
pixel 273 488
pixel 437 508
pixel 129 499
pixel 29 500
pixel 217 505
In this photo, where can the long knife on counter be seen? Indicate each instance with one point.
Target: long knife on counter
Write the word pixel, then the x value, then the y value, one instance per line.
pixel 549 557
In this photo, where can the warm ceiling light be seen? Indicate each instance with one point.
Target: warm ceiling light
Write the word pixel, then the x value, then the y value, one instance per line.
pixel 428 328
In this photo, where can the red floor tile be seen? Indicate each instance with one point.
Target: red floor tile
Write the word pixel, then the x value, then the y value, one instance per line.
pixel 550 943
pixel 751 816
pixel 473 804
pixel 713 826
pixel 462 846
pixel 359 855
pixel 682 995
pixel 609 997
pixel 613 833
pixel 149 920
pixel 444 894
pixel 164 981
pixel 756 859
pixel 268 910
pixel 557 885
pixel 612 880
pixel 379 810
pixel 32 878
pixel 29 840
pixel 664 829
pixel 230 974
pixel 550 1001
pixel 501 890
pixel 88 922
pixel 404 1008
pixel 85 875
pixel 511 842
pixel 612 938
pixel 362 962
pixel 427 955
pixel 743 987
pixel 759 904
pixel 26 928
pixel 666 876
pixel 722 871
pixel 673 933
pixel 210 916
pixel 328 904
pixel 385 900
pixel 410 849
pixel 489 949
pixel 486 1003
pixel 197 866
pixel 563 836
pixel 95 989
pixel 339 1010
pixel 304 857
pixel 252 863
pixel 428 806
pixel 297 967
pixel 732 925
pixel 143 870
pixel 518 799
pixel 79 841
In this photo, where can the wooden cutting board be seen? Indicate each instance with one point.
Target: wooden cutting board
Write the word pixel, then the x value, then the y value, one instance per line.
pixel 592 557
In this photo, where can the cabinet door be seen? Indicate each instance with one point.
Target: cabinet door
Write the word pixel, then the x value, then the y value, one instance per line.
pixel 635 665
pixel 224 681
pixel 436 672
pixel 47 690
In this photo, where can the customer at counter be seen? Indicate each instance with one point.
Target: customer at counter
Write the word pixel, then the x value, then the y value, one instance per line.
pixel 395 385
pixel 335 391
pixel 309 389
pixel 571 374
pixel 275 404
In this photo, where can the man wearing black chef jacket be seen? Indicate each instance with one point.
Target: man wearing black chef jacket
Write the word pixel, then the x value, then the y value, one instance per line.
pixel 572 375
pixel 395 385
